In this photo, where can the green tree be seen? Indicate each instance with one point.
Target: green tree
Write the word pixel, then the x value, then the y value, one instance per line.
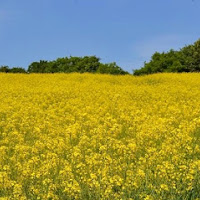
pixel 38 67
pixel 17 70
pixel 186 59
pixel 84 64
pixel 4 69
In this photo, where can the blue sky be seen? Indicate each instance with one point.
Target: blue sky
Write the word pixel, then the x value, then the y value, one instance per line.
pixel 125 31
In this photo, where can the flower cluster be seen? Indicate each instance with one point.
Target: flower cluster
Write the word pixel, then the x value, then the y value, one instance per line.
pixel 89 136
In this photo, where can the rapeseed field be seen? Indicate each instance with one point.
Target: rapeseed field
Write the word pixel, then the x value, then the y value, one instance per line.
pixel 86 136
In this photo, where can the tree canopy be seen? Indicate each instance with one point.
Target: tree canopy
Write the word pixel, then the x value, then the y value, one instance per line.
pixel 187 59
pixel 70 64
pixel 6 69
pixel 84 64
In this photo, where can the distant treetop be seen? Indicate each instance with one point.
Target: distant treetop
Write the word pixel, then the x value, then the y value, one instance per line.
pixel 6 69
pixel 90 64
pixel 186 59
pixel 70 64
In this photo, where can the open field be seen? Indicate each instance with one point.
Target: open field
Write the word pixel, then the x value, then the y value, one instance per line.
pixel 84 136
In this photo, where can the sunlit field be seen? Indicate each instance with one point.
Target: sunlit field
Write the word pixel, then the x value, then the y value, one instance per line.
pixel 84 136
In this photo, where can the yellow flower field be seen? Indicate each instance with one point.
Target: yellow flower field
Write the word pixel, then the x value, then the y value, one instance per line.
pixel 86 136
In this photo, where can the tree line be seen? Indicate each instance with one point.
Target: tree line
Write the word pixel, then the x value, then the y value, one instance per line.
pixel 6 69
pixel 187 59
pixel 70 64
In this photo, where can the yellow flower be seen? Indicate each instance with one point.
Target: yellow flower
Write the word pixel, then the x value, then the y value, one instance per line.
pixel 77 136
pixel 164 187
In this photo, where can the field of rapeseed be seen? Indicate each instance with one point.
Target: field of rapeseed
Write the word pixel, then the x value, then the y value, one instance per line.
pixel 99 137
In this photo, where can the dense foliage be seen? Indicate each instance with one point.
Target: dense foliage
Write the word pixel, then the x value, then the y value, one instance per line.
pixel 91 137
pixel 186 59
pixel 6 69
pixel 75 64
pixel 89 64
pixel 67 65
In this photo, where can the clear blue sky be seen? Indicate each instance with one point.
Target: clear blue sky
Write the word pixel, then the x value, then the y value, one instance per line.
pixel 125 31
